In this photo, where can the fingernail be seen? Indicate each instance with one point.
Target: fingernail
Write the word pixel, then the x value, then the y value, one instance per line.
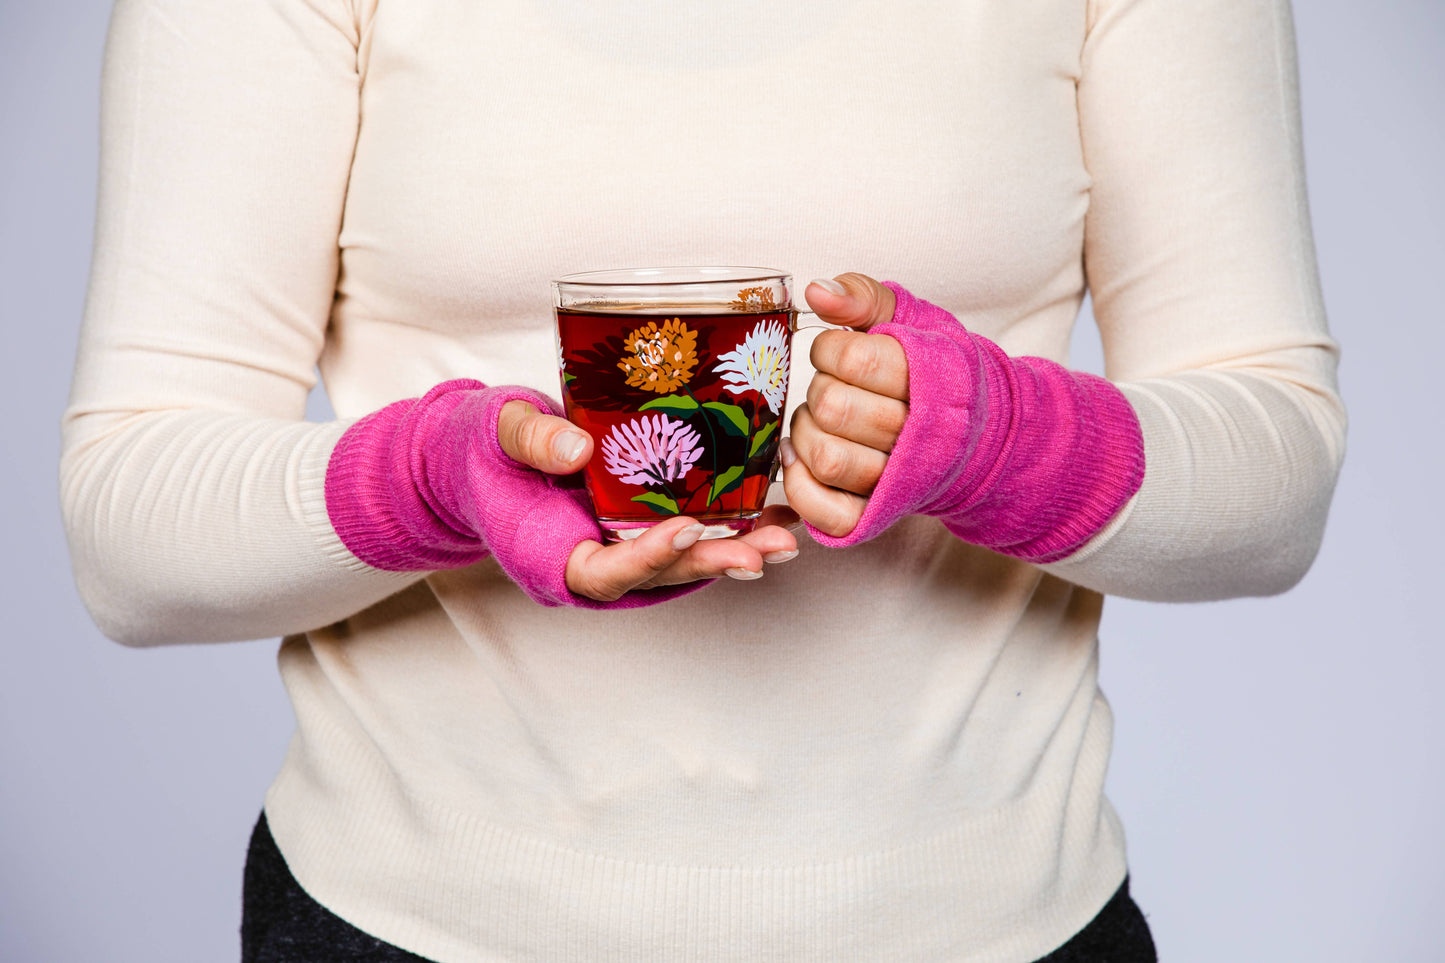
pixel 687 537
pixel 568 446
pixel 743 574
pixel 785 451
pixel 829 285
pixel 776 557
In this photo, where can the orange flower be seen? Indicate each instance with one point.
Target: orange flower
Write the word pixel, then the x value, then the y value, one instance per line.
pixel 660 359
pixel 755 301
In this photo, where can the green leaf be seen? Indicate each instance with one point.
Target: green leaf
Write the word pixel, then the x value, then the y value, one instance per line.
pixel 568 377
pixel 734 421
pixel 725 483
pixel 658 503
pixel 761 438
pixel 672 404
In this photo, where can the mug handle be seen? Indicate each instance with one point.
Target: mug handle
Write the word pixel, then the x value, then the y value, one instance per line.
pixel 818 326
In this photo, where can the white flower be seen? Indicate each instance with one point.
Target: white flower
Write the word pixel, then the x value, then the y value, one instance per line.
pixel 759 364
pixel 650 450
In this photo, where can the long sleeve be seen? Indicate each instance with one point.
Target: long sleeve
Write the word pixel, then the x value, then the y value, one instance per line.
pixel 1201 264
pixel 191 490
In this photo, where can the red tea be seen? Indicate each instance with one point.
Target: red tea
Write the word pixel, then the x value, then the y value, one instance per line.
pixel 685 411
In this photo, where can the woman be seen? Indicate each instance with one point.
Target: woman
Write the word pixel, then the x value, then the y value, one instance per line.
pixel 892 746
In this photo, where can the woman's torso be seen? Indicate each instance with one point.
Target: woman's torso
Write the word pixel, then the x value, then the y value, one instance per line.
pixel 895 748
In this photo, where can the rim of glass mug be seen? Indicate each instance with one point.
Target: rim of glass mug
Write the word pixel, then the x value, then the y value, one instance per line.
pixel 683 289
pixel 686 289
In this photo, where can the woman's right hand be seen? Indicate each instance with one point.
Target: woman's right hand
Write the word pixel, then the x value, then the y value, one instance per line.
pixel 669 553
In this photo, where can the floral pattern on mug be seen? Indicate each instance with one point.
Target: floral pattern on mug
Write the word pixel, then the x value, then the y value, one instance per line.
pixel 686 410
pixel 651 450
pixel 754 301
pixel 660 359
pixel 759 364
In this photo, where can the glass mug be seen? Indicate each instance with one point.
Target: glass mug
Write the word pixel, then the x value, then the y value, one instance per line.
pixel 679 374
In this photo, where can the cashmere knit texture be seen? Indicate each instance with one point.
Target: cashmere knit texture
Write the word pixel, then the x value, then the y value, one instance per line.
pixel 282 924
pixel 891 752
pixel 424 484
pixel 1018 455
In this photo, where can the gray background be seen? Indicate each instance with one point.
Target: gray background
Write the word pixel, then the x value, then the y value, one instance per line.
pixel 1278 762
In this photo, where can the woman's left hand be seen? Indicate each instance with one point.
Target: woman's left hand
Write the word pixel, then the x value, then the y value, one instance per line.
pixel 840 439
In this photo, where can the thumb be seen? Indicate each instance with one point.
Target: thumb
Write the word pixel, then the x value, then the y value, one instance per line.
pixel 545 442
pixel 852 300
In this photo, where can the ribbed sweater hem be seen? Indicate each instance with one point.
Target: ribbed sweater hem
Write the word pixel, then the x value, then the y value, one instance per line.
pixel 313 461
pixel 1005 885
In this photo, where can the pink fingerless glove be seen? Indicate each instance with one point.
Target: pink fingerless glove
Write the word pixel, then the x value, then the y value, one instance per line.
pixel 1019 455
pixel 423 484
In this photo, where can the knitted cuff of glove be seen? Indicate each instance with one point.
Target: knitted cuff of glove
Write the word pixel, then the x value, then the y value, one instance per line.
pixel 374 503
pixel 1019 455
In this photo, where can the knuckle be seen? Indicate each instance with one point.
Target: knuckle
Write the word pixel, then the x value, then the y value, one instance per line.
pixel 653 559
pixel 858 359
pixel 658 562
pixel 831 409
pixel 592 581
pixel 528 432
pixel 603 590
pixel 791 489
pixel 897 418
pixel 881 304
pixel 830 463
pixel 825 348
pixel 802 491
pixel 838 520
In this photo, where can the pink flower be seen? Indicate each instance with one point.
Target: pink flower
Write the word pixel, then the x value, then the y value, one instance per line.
pixel 651 450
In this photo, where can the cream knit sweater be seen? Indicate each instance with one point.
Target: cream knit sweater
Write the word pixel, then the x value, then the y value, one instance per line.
pixel 890 752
